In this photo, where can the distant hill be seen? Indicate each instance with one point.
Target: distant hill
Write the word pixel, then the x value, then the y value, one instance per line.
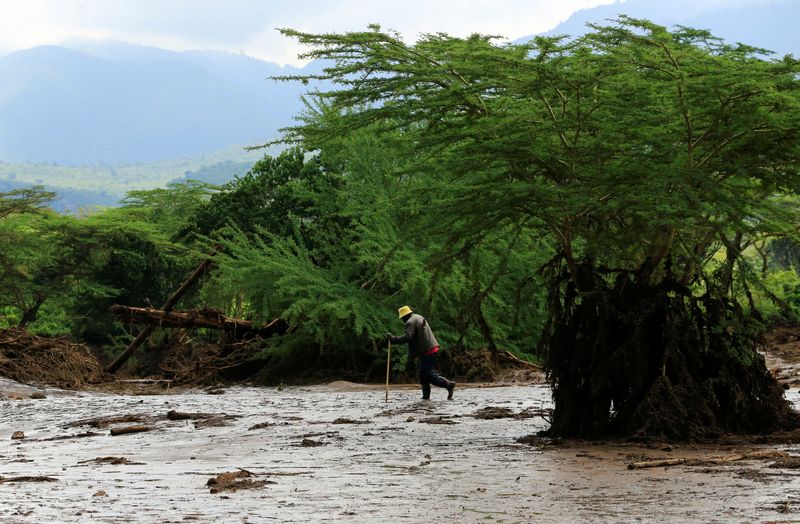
pixel 769 24
pixel 116 103
pixel 83 187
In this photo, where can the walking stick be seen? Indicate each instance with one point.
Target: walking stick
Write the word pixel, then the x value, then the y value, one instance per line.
pixel 388 361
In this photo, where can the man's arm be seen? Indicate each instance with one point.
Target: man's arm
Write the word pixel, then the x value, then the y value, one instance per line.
pixel 405 337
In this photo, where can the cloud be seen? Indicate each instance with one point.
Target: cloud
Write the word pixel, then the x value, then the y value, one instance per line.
pixel 249 26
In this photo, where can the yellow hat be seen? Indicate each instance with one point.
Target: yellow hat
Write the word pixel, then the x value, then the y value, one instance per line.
pixel 403 311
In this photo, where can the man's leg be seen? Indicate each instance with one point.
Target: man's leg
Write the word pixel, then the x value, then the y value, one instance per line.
pixel 428 371
pixel 426 391
pixel 425 377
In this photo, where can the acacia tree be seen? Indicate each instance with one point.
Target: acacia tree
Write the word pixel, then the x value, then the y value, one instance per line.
pixel 651 158
pixel 316 239
pixel 61 272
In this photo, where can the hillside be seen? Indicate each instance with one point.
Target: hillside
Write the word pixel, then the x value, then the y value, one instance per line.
pixel 129 104
pixel 105 184
pixel 771 26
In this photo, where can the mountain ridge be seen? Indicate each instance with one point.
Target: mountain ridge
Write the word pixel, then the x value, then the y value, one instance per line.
pixel 62 105
pixel 89 102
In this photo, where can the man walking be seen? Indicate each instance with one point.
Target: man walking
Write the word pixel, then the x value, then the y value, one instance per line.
pixel 423 345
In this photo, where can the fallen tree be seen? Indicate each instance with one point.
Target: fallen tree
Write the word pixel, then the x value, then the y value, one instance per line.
pixel 171 301
pixel 200 318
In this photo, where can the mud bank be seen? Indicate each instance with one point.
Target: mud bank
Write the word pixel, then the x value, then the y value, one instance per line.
pixel 339 453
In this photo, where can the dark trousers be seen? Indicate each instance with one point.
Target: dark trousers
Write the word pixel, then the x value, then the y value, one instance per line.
pixel 428 375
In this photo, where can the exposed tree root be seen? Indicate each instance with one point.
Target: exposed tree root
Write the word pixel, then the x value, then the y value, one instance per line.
pixel 656 362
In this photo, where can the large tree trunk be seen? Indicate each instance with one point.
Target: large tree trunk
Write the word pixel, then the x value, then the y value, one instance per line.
pixel 199 318
pixel 633 359
pixel 171 301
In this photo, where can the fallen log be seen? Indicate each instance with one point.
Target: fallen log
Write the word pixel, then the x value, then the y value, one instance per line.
pixel 512 357
pixel 658 463
pixel 114 461
pixel 104 422
pixel 199 318
pixel 177 415
pixel 129 429
pixel 5 480
pixel 710 461
pixel 171 301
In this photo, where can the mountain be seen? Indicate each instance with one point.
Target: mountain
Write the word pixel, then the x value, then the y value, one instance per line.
pixel 89 103
pixel 769 24
pixel 116 103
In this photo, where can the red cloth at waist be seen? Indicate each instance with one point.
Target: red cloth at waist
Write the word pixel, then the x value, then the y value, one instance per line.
pixel 431 351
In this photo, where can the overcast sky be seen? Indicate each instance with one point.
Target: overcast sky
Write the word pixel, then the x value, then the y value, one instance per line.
pixel 248 26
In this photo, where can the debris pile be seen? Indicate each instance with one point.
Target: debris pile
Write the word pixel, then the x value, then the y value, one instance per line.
pixel 235 480
pixel 55 361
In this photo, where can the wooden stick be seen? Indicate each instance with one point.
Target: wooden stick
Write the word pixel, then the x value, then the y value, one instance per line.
pixel 129 429
pixel 388 362
pixel 509 355
pixel 748 455
pixel 657 463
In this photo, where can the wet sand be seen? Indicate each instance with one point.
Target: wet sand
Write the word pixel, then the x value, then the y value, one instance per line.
pixel 339 453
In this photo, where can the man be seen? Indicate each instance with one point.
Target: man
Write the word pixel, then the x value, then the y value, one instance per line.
pixel 423 345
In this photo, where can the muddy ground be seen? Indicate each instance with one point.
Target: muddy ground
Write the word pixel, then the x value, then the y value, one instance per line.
pixel 340 453
pixel 145 451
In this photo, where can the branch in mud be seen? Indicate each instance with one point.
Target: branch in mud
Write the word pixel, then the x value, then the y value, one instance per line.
pixel 129 429
pixel 199 318
pixel 751 455
pixel 26 478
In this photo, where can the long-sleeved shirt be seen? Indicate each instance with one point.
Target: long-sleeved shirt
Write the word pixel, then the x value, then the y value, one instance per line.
pixel 418 335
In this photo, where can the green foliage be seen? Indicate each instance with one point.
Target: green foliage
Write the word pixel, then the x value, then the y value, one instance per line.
pixel 780 296
pixel 333 243
pixel 164 212
pixel 273 194
pixel 635 166
pixel 61 273
pixel 633 148
pixel 784 253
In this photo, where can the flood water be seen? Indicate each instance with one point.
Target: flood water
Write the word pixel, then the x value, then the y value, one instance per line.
pixel 403 461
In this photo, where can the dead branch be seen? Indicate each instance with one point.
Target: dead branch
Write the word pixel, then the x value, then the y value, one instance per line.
pixel 27 479
pixel 129 429
pixel 749 455
pixel 514 358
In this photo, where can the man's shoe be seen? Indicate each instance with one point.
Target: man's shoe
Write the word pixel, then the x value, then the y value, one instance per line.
pixel 450 389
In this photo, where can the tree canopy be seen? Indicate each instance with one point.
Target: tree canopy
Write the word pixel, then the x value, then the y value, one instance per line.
pixel 651 159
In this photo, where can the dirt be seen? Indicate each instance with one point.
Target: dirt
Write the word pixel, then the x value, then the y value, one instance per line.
pixel 234 481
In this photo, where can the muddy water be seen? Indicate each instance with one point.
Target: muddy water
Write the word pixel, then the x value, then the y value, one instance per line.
pixel 397 466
